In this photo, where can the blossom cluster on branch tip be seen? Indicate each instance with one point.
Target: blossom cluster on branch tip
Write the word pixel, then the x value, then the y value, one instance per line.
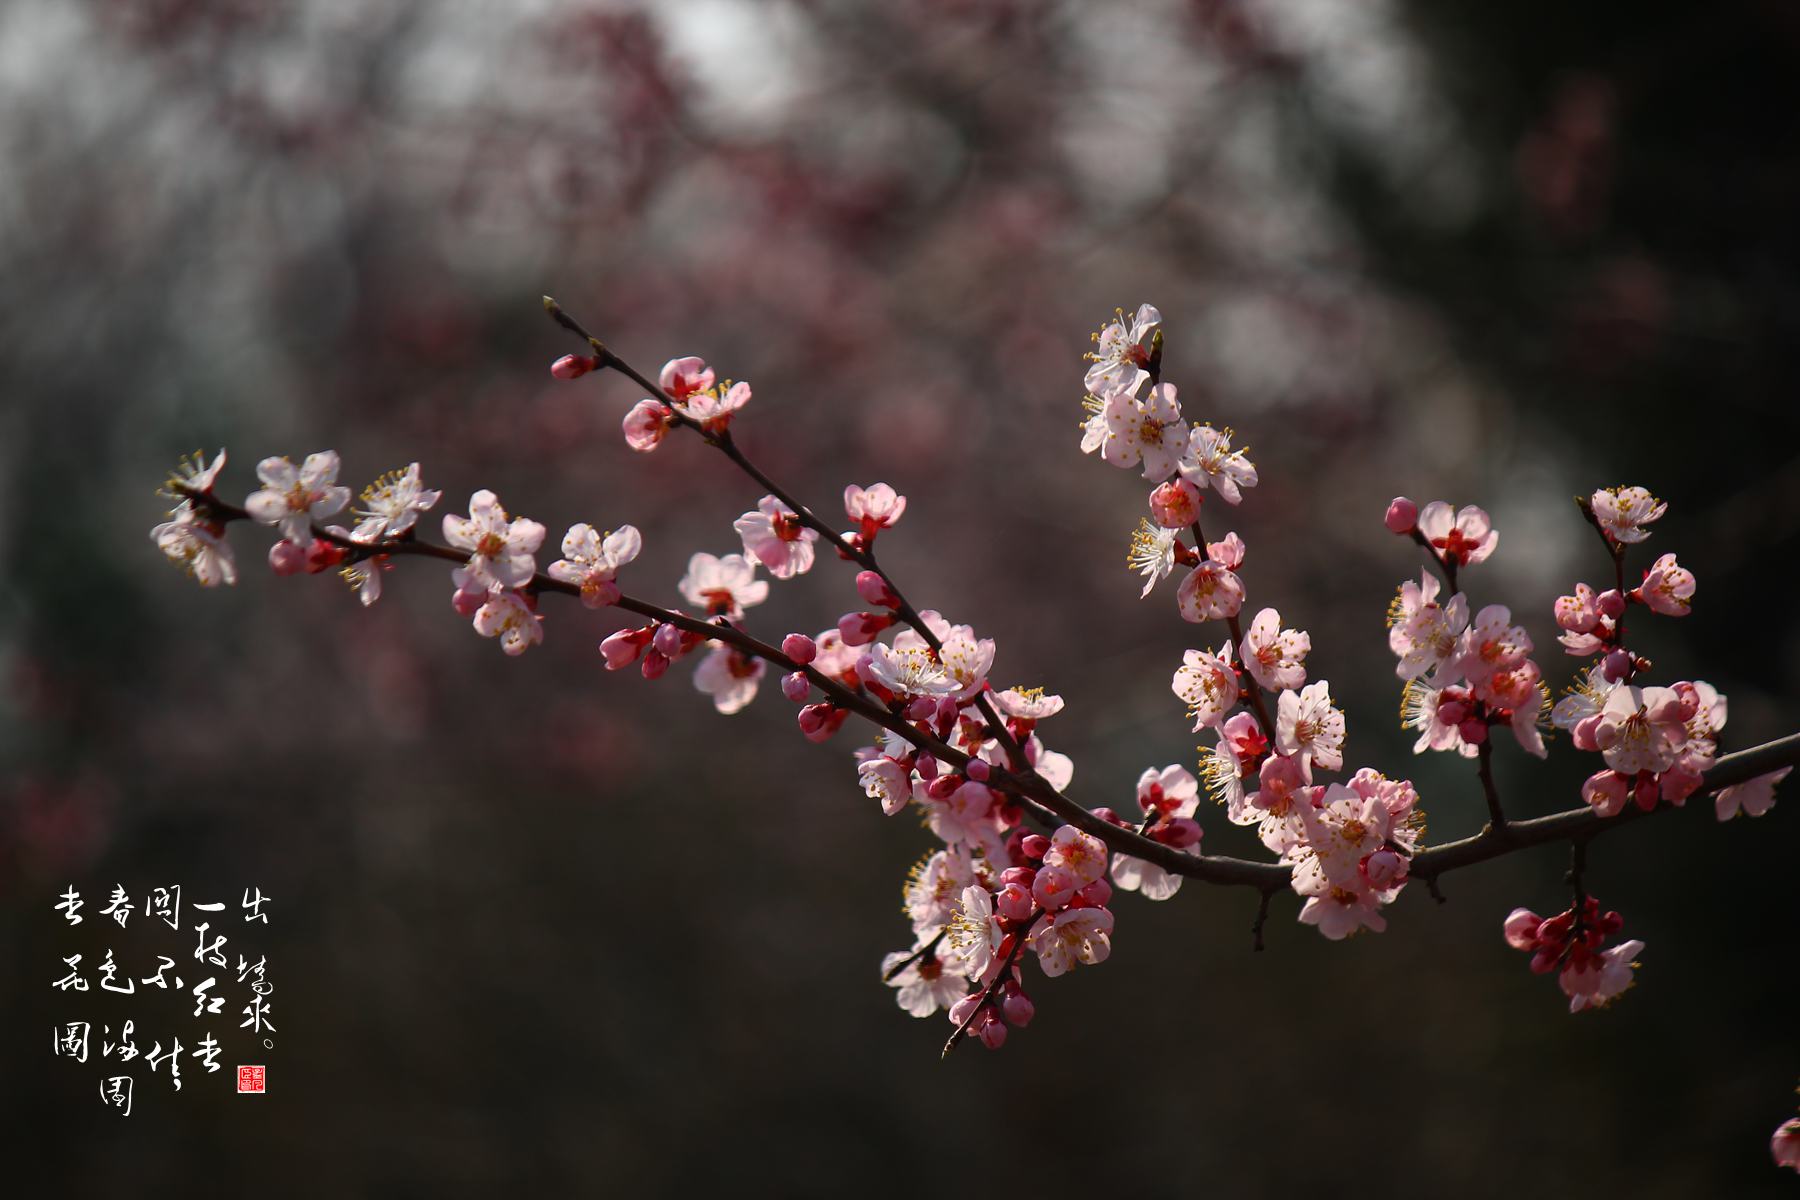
pixel 1573 944
pixel 1019 870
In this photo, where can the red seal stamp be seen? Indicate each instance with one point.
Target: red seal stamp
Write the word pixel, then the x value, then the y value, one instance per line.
pixel 252 1079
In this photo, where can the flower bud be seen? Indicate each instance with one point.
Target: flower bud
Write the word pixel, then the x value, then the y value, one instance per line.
pixel 622 648
pixel 573 366
pixel 285 558
pixel 1402 516
pixel 466 603
pixel 1018 1010
pixel 1604 792
pixel 993 1032
pixel 796 687
pixel 655 665
pixel 1019 875
pixel 667 642
pixel 323 555
pixel 1035 845
pixel 1610 603
pixel 1521 929
pixel 800 648
pixel 875 590
pixel 819 721
pixel 859 629
pixel 1054 887
pixel 1094 895
pixel 1616 665
pixel 1014 901
pixel 1175 504
pixel 1384 869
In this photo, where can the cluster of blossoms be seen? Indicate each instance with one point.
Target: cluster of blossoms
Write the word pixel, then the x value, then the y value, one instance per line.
pixel 1348 845
pixel 1018 867
pixel 1462 677
pixel 1573 944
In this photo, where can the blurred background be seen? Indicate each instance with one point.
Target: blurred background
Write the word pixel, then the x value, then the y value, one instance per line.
pixel 537 926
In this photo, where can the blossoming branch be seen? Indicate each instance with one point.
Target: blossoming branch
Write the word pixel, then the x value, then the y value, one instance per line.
pixel 1019 868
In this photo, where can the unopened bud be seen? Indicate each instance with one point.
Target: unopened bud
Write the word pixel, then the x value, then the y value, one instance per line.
pixel 800 648
pixel 875 590
pixel 285 558
pixel 1402 516
pixel 573 366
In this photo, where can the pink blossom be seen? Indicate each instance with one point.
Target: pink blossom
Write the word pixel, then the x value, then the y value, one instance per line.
pixel 1420 631
pixel 197 546
pixel 1074 935
pixel 965 657
pixel 1122 350
pixel 975 932
pixel 931 982
pixel 591 561
pixel 393 504
pixel 1027 704
pixel 933 890
pixel 1175 503
pixel 1577 613
pixel 1640 729
pixel 646 425
pixel 774 535
pixel 500 548
pixel 1753 799
pixel 906 671
pixel 1597 980
pixel 1210 461
pixel 1438 714
pixel 888 781
pixel 713 407
pixel 1147 432
pixel 1275 657
pixel 1207 683
pixel 1210 593
pixel 1310 728
pixel 873 508
pixel 1152 554
pixel 723 587
pixel 293 497
pixel 729 676
pixel 507 616
pixel 1492 643
pixel 1228 551
pixel 1622 512
pixel 1081 854
pixel 685 377
pixel 1462 538
pixel 1668 587
pixel 965 817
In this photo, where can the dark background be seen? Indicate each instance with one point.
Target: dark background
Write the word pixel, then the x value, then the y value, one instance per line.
pixel 535 926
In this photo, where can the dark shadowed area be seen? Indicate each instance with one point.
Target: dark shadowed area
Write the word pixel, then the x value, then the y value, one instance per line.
pixel 538 927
